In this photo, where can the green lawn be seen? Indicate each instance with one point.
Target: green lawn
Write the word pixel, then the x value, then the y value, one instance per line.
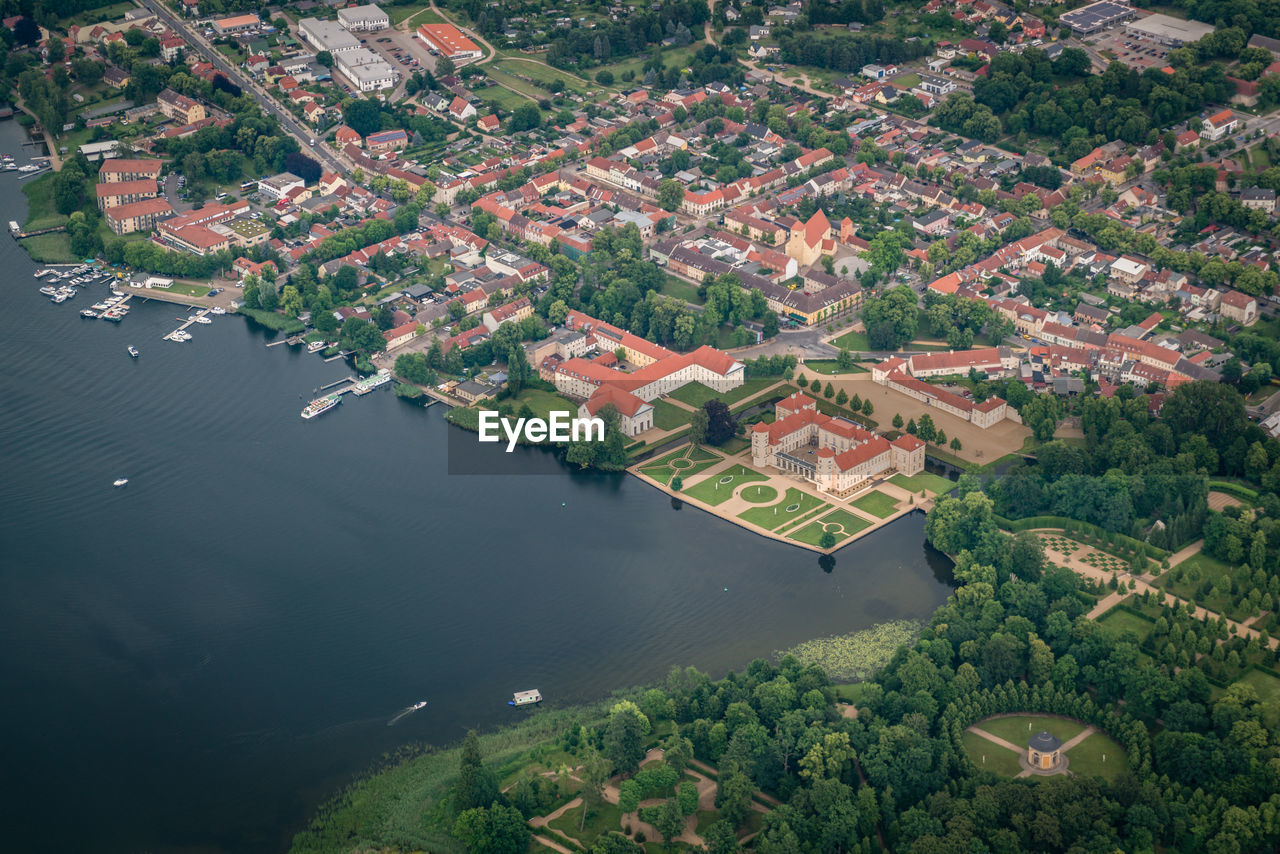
pixel 668 416
pixel 829 367
pixel 604 819
pixel 423 12
pixel 694 394
pixel 877 504
pixel 854 341
pixel 924 480
pixel 678 57
pixel 41 212
pixel 684 462
pixel 1116 622
pixel 712 490
pixel 760 495
pixel 907 80
pixel 680 289
pixel 503 99
pixel 697 394
pixel 776 515
pixel 812 533
pixel 991 757
pixel 184 288
pixel 543 402
pixel 1185 579
pixel 546 74
pixel 1267 684
pixel 1015 729
pixel 1086 758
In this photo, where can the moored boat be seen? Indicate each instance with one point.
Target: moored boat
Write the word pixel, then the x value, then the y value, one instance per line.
pixel 321 405
pixel 368 384
pixel 525 698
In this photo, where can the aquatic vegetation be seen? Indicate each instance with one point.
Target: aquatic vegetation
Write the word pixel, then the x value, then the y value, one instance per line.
pixel 860 654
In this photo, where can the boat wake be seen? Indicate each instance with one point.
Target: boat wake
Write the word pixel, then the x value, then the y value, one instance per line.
pixel 405 712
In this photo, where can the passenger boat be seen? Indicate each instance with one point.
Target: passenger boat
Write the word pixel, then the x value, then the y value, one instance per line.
pixel 525 698
pixel 368 384
pixel 321 405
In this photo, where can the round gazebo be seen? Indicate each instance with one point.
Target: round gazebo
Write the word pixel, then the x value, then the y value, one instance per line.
pixel 1044 752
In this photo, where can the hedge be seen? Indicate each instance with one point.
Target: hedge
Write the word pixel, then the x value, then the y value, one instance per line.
pixel 1069 524
pixel 1234 489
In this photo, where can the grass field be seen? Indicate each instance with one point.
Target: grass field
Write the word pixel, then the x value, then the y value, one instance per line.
pixel 543 403
pixel 1015 729
pixel 853 341
pixel 668 416
pixel 50 248
pixel 1195 570
pixel 991 757
pixel 1086 758
pixel 812 533
pixel 877 504
pixel 503 99
pixel 684 462
pixel 924 480
pixel 774 516
pixel 696 394
pixel 422 11
pixel 1266 684
pixel 680 289
pixel 711 491
pixel 605 818
pixel 41 212
pixel 907 80
pixel 545 74
pixel 760 495
pixel 829 367
pixel 1117 622
pixel 678 57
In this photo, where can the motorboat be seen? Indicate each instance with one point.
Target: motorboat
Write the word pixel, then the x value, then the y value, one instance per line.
pixel 316 346
pixel 48 290
pixel 217 309
pixel 525 698
pixel 120 481
pixel 133 351
pixel 89 313
pixel 203 319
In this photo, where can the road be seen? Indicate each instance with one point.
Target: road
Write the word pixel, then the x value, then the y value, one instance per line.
pixel 291 125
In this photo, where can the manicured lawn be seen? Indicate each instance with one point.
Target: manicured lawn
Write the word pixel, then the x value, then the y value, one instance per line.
pixel 694 394
pixel 543 402
pixel 680 289
pixel 184 288
pixel 760 495
pixel 1116 622
pixel 907 80
pixel 877 504
pixel 684 462
pixel 854 341
pixel 829 367
pixel 734 445
pixel 1014 729
pixel 776 515
pixel 1185 579
pixel 714 489
pixel 1266 684
pixel 545 74
pixel 603 819
pixel 422 11
pixel 812 533
pixel 924 480
pixel 668 416
pixel 1086 758
pixel 991 757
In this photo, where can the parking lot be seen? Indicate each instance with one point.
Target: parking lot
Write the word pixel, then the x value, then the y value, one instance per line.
pixel 404 51
pixel 1134 51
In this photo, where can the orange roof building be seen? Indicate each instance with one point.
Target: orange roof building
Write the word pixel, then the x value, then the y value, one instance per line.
pixel 450 41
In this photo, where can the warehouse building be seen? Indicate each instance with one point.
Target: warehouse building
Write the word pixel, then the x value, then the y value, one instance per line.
pixel 1097 17
pixel 365 69
pixel 327 35
pixel 1166 30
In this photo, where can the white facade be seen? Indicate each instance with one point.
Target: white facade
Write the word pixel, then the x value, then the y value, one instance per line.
pixel 364 68
pixel 364 18
pixel 327 35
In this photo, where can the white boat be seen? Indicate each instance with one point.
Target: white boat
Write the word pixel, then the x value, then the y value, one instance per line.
pixel 368 384
pixel 203 319
pixel 321 405
pixel 120 481
pixel 13 226
pixel 217 309
pixel 88 313
pixel 316 346
pixel 41 272
pixel 48 290
pixel 190 318
pixel 133 351
pixel 99 306
pixel 59 297
pixel 116 293
pixel 525 698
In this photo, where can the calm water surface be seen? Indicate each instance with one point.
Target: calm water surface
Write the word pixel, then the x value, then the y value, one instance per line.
pixel 195 661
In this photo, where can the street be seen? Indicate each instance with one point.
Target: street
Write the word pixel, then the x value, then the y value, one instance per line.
pixel 292 126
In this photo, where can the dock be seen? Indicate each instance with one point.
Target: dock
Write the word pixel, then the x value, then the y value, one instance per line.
pixel 338 382
pixel 341 355
pixel 185 323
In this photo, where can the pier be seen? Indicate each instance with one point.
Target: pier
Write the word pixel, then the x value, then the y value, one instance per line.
pixel 341 355
pixel 19 235
pixel 338 382
pixel 185 323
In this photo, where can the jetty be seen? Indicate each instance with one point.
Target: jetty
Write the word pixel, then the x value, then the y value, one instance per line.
pixel 341 355
pixel 185 322
pixel 338 382
pixel 19 235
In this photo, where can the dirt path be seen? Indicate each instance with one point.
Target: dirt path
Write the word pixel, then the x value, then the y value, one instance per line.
pixel 1184 553
pixel 707 28
pixel 995 739
pixel 554 846
pixel 544 820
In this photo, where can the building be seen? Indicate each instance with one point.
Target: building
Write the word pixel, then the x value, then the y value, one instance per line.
pixel 361 19
pixel 1166 30
pixel 1240 307
pixel 1097 16
pixel 991 411
pixel 450 42
pixel 635 415
pixel 278 186
pixel 837 455
pixel 180 108
pixel 811 240
pixel 1258 198
pixel 986 360
pixel 95 151
pixel 118 170
pixel 117 193
pixel 137 216
pixel 327 35
pixel 513 312
pixel 387 140
pixel 236 24
pixel 365 69
pixel 1219 125
pixel 1044 752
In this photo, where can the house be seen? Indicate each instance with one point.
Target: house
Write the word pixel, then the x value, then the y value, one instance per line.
pixel 179 107
pixel 513 311
pixel 635 415
pixel 345 136
pixel 489 123
pixel 460 109
pixel 387 140
pixel 874 72
pixel 1259 199
pixel 363 18
pixel 1219 125
pixel 1240 307
pixel 279 186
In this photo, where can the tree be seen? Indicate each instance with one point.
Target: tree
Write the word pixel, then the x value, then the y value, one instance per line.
pixel 519 371
pixel 897 421
pixel 687 798
pixel 698 422
pixel 669 822
pixel 357 333
pixel 867 408
pixel 363 116
pixel 496 829
pixel 325 58
pixel 26 31
pixel 733 795
pixel 527 116
pixel 844 362
pixel 720 422
pixel 624 736
pixel 955 444
pixel 594 773
pixel 476 784
pixel 842 397
pixel 444 67
pixel 670 194
pixel 614 842
pixel 827 540
pixel 604 77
